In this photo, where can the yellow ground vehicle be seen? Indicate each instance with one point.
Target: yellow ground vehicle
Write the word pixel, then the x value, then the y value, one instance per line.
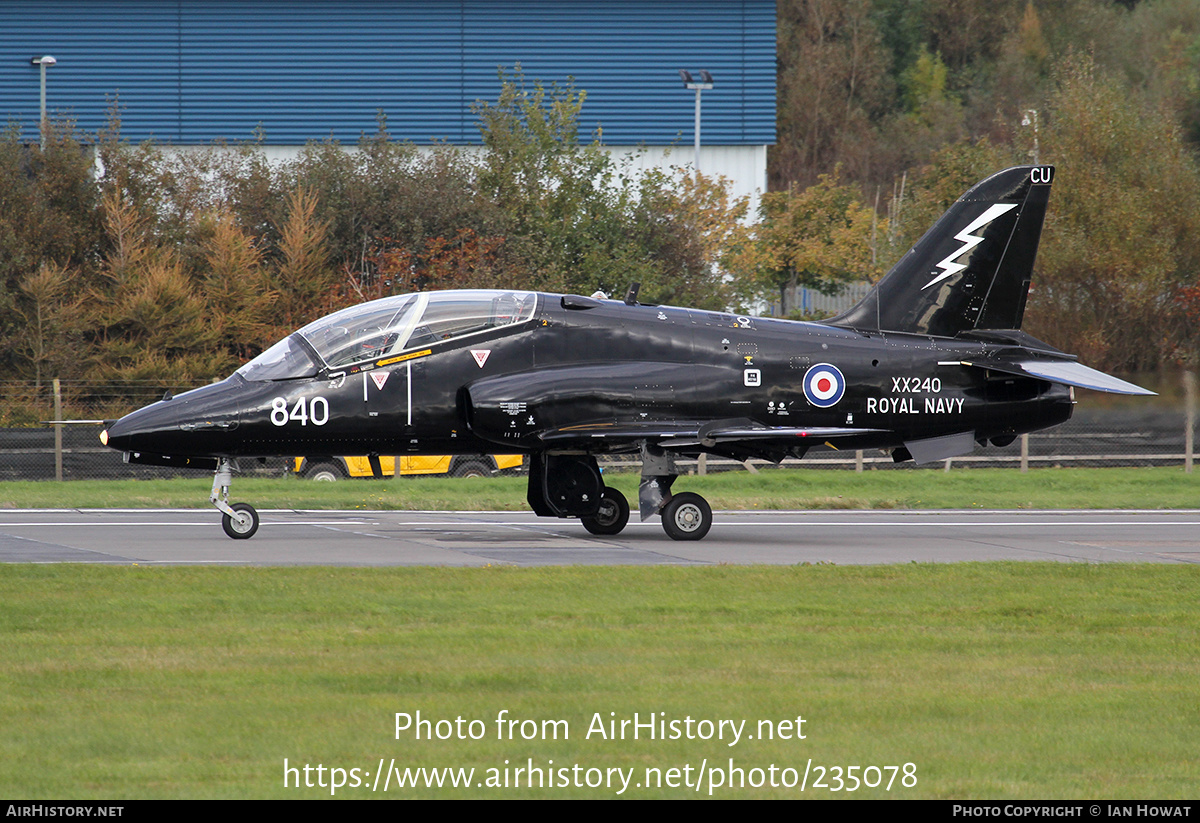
pixel 462 465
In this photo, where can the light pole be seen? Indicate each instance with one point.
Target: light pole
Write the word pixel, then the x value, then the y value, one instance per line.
pixel 1031 119
pixel 43 62
pixel 706 82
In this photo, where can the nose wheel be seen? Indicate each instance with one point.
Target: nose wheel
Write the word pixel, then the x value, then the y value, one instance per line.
pixel 242 524
pixel 239 520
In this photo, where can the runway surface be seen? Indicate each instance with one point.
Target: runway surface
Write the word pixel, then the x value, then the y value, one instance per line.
pixel 395 538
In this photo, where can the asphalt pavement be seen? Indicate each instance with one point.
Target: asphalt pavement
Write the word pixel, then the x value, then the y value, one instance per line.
pixel 399 538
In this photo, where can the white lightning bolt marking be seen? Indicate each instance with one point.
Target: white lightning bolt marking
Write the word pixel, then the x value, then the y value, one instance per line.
pixel 969 241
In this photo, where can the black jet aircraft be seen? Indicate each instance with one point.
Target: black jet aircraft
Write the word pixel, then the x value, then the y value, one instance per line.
pixel 931 363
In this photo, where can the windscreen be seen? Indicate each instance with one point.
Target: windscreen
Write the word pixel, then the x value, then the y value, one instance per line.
pixel 286 360
pixel 363 332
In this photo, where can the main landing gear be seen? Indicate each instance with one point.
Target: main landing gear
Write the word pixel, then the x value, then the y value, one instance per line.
pixel 685 516
pixel 612 515
pixel 239 520
pixel 570 485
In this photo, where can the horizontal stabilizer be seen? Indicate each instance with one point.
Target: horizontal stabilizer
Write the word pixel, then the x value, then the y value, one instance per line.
pixel 1067 372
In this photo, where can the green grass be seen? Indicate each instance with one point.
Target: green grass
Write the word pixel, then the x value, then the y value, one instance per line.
pixel 996 680
pixel 769 489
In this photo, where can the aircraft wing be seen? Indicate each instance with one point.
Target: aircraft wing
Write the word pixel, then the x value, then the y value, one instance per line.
pixel 745 431
pixel 1067 372
pixel 500 407
pixel 736 436
pixel 617 433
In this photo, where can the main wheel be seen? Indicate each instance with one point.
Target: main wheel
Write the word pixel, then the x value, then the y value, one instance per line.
pixel 241 528
pixel 612 516
pixel 686 516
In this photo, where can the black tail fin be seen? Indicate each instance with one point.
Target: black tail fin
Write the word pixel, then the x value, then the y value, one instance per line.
pixel 972 269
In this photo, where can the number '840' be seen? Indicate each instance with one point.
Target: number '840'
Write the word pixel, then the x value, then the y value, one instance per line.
pixel 307 410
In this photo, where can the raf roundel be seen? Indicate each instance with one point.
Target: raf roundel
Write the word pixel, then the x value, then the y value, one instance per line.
pixel 824 385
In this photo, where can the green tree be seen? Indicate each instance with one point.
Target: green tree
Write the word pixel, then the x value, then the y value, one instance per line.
pixel 49 224
pixel 382 194
pixel 924 82
pixel 835 85
pixel 673 233
pixel 573 219
pixel 237 289
pixel 1120 234
pixel 550 190
pixel 43 339
pixel 147 320
pixel 303 276
pixel 819 237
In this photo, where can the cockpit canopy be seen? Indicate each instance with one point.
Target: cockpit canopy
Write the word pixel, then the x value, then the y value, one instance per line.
pixel 387 327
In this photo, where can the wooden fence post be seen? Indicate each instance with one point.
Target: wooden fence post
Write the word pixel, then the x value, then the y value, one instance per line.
pixel 1189 434
pixel 58 454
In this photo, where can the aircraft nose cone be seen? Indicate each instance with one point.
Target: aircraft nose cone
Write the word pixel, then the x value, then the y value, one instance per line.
pixel 148 429
pixel 198 422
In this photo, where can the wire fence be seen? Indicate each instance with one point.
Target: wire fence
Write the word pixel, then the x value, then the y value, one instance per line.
pixel 32 447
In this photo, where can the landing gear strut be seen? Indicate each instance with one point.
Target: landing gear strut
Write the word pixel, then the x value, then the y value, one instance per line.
pixel 239 520
pixel 685 516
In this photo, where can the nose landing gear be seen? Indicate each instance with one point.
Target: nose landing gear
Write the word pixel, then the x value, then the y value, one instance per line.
pixel 239 520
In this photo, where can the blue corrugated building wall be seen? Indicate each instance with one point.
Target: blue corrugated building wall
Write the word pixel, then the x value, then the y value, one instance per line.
pixel 193 71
